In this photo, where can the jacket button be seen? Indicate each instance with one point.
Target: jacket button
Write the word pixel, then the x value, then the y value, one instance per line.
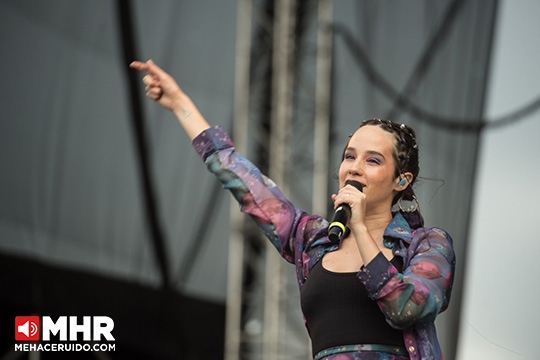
pixel 411 348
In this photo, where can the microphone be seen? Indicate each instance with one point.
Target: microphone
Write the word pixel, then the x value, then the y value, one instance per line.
pixel 341 217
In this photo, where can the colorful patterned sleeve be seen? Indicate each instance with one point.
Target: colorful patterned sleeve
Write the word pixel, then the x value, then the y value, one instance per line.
pixel 258 196
pixel 423 290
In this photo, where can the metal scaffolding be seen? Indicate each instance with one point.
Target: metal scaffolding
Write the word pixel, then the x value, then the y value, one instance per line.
pixel 258 325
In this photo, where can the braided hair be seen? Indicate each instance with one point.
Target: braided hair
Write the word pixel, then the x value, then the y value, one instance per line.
pixel 405 154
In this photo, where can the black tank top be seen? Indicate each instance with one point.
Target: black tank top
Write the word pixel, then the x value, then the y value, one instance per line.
pixel 338 311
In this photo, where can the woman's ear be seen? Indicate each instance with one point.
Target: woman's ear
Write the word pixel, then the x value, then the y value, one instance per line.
pixel 403 181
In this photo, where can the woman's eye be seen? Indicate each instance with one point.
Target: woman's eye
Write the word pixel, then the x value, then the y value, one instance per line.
pixel 374 161
pixel 349 156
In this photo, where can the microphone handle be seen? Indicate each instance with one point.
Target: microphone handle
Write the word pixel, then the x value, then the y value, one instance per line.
pixel 341 217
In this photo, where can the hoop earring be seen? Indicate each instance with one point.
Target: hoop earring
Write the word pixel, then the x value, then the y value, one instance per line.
pixel 411 208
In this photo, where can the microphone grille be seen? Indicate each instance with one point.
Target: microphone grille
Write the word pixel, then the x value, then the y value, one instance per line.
pixel 356 184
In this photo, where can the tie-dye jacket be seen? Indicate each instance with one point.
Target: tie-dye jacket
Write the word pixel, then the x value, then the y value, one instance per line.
pixel 410 300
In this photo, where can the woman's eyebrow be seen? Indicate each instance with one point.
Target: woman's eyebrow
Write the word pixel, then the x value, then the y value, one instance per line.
pixel 373 152
pixel 369 152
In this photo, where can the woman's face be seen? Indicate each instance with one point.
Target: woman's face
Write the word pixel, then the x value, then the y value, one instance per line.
pixel 368 159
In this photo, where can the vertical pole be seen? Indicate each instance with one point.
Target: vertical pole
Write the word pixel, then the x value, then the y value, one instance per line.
pixel 233 317
pixel 281 125
pixel 321 129
pixel 323 87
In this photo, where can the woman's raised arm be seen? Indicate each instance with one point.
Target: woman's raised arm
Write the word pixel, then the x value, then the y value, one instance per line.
pixel 163 89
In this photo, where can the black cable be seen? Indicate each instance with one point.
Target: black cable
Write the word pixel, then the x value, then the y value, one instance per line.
pixel 435 120
pixel 129 53
pixel 427 55
pixel 200 237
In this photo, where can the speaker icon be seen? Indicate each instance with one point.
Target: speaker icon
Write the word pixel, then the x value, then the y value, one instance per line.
pixel 27 328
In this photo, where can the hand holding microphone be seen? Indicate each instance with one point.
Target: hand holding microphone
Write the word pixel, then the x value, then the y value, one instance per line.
pixel 341 217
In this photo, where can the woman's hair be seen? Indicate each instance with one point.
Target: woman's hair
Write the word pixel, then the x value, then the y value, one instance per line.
pixel 405 154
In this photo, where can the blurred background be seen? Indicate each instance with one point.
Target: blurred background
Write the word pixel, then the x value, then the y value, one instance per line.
pixel 105 209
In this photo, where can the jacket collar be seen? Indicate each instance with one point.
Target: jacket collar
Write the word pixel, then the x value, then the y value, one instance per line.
pixel 397 229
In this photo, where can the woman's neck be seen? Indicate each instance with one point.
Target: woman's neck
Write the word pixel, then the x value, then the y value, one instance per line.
pixel 376 222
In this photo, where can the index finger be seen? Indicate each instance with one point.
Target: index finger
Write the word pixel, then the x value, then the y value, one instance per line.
pixel 137 65
pixel 148 67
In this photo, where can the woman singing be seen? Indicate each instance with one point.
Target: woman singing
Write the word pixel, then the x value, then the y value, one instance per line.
pixel 375 292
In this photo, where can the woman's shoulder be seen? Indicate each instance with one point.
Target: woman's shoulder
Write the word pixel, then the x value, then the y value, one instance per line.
pixel 431 233
pixel 433 238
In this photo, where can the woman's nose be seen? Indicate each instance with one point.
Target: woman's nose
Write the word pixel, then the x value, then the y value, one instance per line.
pixel 356 168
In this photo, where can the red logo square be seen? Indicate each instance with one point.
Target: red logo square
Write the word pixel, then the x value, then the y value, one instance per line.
pixel 27 328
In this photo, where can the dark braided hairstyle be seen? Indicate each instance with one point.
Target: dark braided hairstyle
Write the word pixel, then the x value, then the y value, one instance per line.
pixel 405 154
